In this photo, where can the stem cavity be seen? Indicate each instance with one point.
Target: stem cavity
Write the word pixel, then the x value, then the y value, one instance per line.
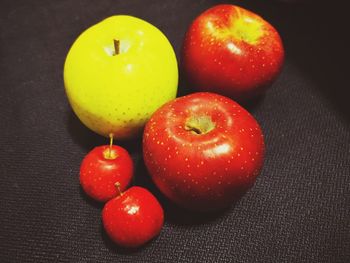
pixel 109 153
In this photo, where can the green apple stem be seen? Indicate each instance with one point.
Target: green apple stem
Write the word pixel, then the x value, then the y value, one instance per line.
pixel 117 185
pixel 116 46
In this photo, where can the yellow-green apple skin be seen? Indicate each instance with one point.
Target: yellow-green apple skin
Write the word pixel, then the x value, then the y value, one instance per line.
pixel 117 93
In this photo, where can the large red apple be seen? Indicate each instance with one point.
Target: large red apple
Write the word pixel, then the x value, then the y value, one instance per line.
pixel 232 51
pixel 203 150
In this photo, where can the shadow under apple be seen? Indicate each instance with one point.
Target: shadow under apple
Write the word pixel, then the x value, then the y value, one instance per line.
pixel 87 139
pixel 89 200
pixel 173 213
pixel 114 248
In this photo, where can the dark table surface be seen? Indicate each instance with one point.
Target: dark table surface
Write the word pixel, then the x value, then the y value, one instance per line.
pixel 298 210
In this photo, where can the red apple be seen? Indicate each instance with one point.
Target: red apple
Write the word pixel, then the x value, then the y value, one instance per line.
pixel 133 218
pixel 203 150
pixel 102 168
pixel 232 51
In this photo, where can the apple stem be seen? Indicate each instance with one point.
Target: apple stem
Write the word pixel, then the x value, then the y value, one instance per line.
pixel 116 46
pixel 110 145
pixel 117 185
pixel 108 152
pixel 193 129
pixel 199 124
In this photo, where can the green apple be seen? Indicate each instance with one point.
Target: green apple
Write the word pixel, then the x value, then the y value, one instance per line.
pixel 117 73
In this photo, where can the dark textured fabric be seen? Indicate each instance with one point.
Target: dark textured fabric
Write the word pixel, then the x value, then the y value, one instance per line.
pixel 298 211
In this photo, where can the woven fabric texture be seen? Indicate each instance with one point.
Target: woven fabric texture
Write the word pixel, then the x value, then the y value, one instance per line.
pixel 298 210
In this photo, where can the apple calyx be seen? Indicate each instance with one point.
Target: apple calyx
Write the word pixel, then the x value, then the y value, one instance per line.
pixel 108 153
pixel 116 46
pixel 199 124
pixel 117 185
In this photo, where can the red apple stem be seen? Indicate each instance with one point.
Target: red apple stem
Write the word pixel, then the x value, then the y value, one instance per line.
pixel 110 145
pixel 117 185
pixel 116 46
